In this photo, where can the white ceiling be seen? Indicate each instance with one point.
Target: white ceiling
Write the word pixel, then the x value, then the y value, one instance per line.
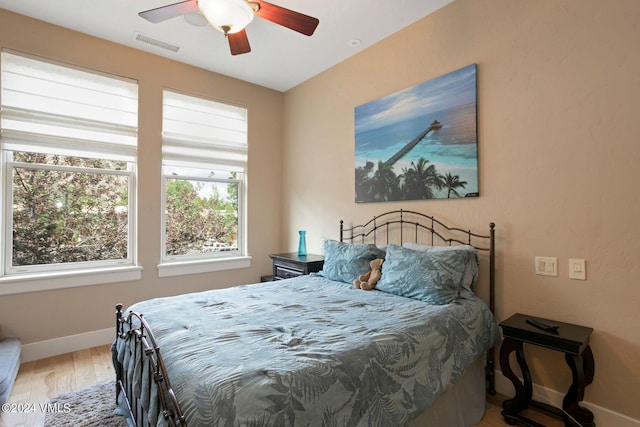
pixel 279 59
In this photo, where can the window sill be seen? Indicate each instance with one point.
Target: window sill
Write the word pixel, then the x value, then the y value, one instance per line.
pixel 181 268
pixel 69 279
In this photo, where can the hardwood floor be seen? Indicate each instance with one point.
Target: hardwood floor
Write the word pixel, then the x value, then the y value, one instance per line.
pixel 39 381
pixel 493 418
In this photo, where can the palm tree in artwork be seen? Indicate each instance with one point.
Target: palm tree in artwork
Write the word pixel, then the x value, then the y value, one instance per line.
pixel 364 183
pixel 420 180
pixel 452 183
pixel 385 183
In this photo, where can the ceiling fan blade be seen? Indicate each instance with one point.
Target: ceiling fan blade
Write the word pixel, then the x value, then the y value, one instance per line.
pixel 163 13
pixel 239 43
pixel 295 21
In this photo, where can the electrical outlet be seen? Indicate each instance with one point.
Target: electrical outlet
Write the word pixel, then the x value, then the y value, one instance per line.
pixel 577 269
pixel 546 266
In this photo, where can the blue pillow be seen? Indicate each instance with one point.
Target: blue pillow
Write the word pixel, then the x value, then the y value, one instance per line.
pixel 432 277
pixel 345 262
pixel 471 269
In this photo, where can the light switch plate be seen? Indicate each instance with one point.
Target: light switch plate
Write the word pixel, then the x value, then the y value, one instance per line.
pixel 546 266
pixel 577 269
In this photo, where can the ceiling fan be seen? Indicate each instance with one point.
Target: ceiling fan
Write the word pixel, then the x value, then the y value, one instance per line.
pixel 232 16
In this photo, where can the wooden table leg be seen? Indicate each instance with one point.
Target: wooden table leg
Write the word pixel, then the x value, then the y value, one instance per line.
pixel 520 401
pixel 583 369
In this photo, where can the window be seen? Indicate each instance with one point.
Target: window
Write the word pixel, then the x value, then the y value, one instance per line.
pixel 204 156
pixel 69 139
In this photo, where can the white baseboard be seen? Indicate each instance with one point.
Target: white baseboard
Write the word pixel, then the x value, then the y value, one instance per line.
pixel 56 346
pixel 603 417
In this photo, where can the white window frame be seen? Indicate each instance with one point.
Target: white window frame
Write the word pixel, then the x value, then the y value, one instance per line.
pixel 175 265
pixel 34 278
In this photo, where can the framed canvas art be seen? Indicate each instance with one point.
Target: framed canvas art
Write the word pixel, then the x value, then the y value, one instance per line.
pixel 419 143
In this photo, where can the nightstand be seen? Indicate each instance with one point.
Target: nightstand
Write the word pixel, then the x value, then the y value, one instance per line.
pixel 573 341
pixel 286 266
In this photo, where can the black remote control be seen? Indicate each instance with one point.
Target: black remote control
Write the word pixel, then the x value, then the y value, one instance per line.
pixel 545 326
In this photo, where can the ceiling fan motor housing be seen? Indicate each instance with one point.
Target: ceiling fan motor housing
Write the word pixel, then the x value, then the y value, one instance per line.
pixel 228 16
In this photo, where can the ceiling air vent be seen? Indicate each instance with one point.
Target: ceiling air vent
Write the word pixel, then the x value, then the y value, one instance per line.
pixel 155 42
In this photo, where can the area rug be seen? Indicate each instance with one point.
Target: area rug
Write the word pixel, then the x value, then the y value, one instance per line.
pixel 91 407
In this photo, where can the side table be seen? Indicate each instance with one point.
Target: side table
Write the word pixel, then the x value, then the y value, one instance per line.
pixel 288 265
pixel 573 341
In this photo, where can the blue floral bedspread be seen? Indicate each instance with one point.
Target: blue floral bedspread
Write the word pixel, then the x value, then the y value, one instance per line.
pixel 310 352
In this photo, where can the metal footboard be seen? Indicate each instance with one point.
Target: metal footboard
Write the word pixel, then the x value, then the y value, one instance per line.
pixel 143 350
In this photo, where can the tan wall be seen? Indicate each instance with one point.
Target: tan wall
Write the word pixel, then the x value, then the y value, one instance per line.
pixel 559 159
pixel 46 315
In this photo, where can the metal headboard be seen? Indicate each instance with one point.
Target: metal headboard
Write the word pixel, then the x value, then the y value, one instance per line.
pixel 400 226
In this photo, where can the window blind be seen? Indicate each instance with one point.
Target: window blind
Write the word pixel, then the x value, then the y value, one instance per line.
pixel 201 133
pixel 56 109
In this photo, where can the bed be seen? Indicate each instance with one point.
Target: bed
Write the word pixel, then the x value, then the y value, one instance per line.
pixel 314 350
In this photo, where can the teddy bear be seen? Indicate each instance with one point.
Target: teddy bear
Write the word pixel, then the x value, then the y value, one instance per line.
pixel 368 280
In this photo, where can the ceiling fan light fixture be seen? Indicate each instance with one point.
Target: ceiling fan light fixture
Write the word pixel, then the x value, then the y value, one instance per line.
pixel 227 16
